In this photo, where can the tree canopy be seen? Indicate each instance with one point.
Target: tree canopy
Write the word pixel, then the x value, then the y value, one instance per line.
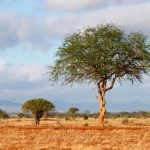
pixel 102 52
pixel 72 111
pixel 102 55
pixel 38 107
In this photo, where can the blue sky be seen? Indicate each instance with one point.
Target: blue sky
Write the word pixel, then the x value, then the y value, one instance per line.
pixel 31 32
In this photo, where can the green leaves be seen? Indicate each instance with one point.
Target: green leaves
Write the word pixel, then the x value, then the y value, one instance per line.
pixel 72 111
pixel 3 114
pixel 101 52
pixel 38 106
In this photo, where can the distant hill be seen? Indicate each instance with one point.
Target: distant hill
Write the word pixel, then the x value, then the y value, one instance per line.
pixel 10 106
pixel 8 103
pixel 62 106
pixel 111 107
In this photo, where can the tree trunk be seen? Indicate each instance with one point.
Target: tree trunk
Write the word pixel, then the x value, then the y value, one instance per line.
pixel 37 120
pixel 102 109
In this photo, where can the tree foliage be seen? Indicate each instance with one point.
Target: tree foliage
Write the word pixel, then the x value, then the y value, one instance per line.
pixel 72 111
pixel 102 55
pixel 38 107
pixel 102 52
pixel 3 114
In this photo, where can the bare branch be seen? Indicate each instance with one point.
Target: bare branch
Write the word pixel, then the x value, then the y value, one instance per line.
pixel 112 84
pixel 99 86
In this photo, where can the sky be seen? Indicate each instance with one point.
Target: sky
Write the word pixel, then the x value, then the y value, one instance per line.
pixel 32 31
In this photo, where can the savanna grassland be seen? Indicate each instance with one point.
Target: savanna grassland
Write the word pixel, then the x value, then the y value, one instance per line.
pixel 78 134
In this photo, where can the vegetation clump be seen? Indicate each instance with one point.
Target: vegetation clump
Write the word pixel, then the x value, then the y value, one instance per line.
pixel 85 116
pixel 3 114
pixel 37 107
pixel 23 115
pixel 72 112
pixel 86 125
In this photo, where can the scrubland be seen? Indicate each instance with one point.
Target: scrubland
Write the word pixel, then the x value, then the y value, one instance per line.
pixel 78 134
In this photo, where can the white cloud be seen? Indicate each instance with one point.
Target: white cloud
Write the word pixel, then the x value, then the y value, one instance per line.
pixel 21 73
pixel 18 30
pixel 36 33
pixel 81 5
pixel 2 64
pixel 68 5
pixel 23 82
pixel 133 18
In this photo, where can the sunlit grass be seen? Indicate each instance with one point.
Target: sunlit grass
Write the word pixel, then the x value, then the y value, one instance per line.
pixel 56 134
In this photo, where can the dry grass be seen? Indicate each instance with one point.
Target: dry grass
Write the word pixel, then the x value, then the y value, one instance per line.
pixel 59 134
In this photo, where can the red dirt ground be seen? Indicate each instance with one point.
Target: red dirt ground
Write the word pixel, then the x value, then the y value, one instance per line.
pixel 74 138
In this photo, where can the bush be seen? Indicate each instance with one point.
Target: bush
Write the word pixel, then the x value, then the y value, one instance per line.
pixel 86 124
pixel 85 116
pixel 67 118
pixel 124 115
pixel 94 115
pixel 3 114
pixel 24 115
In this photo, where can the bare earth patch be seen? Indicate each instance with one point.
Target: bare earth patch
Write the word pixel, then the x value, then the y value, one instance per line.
pixel 51 135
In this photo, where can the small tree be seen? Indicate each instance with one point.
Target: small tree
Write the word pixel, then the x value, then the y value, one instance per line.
pixel 23 115
pixel 3 114
pixel 72 111
pixel 102 55
pixel 85 116
pixel 37 107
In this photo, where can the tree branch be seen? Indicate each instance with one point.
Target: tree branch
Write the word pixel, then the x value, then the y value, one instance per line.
pixel 112 84
pixel 99 86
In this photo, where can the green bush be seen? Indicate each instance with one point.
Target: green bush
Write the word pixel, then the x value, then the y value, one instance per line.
pixel 85 116
pixel 3 114
pixel 23 115
pixel 86 124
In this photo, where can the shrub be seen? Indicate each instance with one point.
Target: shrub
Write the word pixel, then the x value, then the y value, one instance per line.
pixel 72 111
pixel 85 116
pixel 24 115
pixel 67 118
pixel 95 115
pixel 3 114
pixel 86 124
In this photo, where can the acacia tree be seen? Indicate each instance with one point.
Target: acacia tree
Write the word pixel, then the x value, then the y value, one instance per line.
pixel 72 111
pixel 102 55
pixel 37 107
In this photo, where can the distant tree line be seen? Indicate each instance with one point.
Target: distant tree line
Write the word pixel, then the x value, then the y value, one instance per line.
pixel 39 108
pixel 84 115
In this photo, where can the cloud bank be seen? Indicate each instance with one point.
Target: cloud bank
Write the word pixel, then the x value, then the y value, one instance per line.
pixel 67 5
pixel 81 5
pixel 39 33
pixel 16 30
pixel 132 18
